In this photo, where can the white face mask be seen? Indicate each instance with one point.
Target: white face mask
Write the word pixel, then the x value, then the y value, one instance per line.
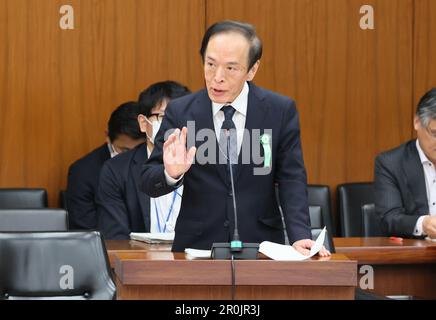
pixel 156 126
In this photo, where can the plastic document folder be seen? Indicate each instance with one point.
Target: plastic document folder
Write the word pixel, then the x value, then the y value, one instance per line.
pixel 153 237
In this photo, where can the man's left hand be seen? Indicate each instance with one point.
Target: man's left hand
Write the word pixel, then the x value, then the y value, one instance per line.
pixel 304 246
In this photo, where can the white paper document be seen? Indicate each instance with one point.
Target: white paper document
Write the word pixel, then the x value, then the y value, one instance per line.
pixel 430 239
pixel 282 252
pixel 197 254
pixel 153 237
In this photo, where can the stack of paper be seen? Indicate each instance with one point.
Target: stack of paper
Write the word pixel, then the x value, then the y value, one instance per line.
pixel 430 239
pixel 282 252
pixel 153 237
pixel 197 254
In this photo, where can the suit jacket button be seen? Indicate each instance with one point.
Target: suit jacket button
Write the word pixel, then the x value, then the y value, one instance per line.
pixel 226 224
pixel 230 194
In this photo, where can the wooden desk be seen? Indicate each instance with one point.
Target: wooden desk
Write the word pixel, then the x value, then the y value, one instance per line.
pixel 400 268
pixel 145 271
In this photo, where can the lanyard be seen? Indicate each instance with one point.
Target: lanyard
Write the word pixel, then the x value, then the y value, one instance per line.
pixel 168 215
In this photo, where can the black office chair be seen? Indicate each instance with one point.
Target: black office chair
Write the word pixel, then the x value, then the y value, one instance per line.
pixel 319 195
pixel 23 198
pixel 65 265
pixel 371 222
pixel 317 224
pixel 17 220
pixel 351 198
pixel 63 199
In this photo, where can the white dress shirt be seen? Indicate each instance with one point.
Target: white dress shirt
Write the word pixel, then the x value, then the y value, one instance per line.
pixel 240 104
pixel 430 187
pixel 164 210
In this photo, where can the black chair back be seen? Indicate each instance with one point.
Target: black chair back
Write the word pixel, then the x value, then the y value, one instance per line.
pixel 65 265
pixel 23 198
pixel 371 221
pixel 319 195
pixel 63 199
pixel 351 198
pixel 18 220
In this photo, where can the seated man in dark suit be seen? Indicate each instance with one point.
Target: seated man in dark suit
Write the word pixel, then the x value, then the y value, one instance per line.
pixel 405 178
pixel 230 103
pixel 123 134
pixel 122 207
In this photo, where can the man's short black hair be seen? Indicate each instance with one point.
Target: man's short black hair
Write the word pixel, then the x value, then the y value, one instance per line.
pixel 124 120
pixel 158 92
pixel 245 29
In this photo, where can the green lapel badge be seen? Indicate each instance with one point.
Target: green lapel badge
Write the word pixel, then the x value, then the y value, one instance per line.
pixel 265 140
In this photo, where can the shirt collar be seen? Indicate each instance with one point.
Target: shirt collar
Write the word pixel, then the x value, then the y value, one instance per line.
pixel 111 150
pixel 422 156
pixel 240 103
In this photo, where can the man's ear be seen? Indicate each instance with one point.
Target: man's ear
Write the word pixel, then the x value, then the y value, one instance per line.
pixel 253 71
pixel 416 123
pixel 142 121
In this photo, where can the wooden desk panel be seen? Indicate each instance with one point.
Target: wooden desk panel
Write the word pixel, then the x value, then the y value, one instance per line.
pixel 400 268
pixel 173 277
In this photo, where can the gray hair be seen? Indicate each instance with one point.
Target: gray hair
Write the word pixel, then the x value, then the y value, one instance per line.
pixel 426 110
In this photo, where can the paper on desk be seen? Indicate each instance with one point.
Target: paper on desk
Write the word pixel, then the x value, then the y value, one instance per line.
pixel 197 254
pixel 282 252
pixel 154 237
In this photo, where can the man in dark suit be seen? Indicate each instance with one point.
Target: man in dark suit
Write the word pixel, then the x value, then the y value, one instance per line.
pixel 231 53
pixel 405 178
pixel 123 134
pixel 122 207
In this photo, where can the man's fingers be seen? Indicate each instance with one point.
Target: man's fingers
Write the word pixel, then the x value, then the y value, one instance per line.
pixel 324 252
pixel 169 141
pixel 176 134
pixel 183 136
pixel 304 251
pixel 190 156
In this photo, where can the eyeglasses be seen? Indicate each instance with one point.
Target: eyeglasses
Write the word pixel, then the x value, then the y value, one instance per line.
pixel 158 116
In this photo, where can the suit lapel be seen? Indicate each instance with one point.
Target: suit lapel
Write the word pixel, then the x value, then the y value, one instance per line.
pixel 256 114
pixel 414 175
pixel 144 201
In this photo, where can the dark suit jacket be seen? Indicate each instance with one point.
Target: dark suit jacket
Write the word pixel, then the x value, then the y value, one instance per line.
pixel 122 207
pixel 400 192
pixel 82 186
pixel 206 213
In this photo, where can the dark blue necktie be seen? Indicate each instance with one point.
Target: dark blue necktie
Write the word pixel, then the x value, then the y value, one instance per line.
pixel 229 125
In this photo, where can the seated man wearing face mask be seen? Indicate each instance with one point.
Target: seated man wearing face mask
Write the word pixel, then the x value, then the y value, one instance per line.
pixel 83 175
pixel 122 208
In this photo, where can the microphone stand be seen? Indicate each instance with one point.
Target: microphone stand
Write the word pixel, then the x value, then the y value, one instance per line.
pixel 236 249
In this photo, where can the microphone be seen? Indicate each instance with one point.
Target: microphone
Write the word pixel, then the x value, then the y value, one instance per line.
pixel 236 249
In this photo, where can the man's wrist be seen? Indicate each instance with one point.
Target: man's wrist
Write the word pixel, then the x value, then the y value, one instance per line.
pixel 170 180
pixel 419 227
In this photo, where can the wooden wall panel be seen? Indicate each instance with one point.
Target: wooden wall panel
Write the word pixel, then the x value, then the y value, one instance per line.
pixel 353 88
pixel 424 48
pixel 356 90
pixel 58 87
